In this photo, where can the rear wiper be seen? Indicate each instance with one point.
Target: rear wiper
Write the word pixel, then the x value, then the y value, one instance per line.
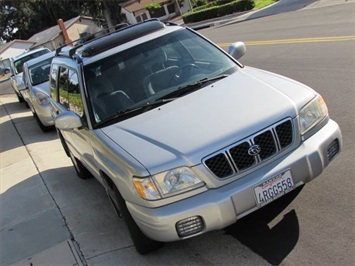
pixel 192 87
pixel 131 111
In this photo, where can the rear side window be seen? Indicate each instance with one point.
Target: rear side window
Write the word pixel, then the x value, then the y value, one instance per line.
pixel 74 97
pixel 63 87
pixel 53 82
pixel 69 91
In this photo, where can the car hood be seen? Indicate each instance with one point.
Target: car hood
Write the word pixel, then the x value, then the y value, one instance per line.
pixel 44 87
pixel 184 131
pixel 19 76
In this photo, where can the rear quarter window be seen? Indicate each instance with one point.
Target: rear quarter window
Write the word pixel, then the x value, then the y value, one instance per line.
pixel 69 91
pixel 53 82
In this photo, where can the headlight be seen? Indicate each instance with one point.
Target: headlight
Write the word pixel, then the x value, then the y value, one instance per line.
pixel 312 113
pixel 167 183
pixel 41 98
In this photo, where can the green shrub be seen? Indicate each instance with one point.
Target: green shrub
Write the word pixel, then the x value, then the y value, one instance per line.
pixel 222 2
pixel 202 7
pixel 218 11
pixel 153 6
pixel 213 3
pixel 198 3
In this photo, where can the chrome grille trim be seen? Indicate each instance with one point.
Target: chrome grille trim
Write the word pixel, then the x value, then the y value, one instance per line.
pixel 235 159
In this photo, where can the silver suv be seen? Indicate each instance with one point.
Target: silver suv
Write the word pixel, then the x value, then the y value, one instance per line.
pixel 184 138
pixel 17 62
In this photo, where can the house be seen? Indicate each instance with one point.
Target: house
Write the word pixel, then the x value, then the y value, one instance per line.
pixel 73 29
pixel 140 10
pixel 13 48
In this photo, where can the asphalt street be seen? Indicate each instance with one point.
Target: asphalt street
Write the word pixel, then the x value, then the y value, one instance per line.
pixel 314 45
pixel 48 216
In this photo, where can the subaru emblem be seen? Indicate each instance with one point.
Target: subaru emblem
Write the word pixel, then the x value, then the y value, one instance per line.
pixel 254 150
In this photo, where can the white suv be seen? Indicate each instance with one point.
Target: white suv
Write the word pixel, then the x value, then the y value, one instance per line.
pixel 184 138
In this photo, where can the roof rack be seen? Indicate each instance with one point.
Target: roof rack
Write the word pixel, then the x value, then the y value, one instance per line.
pixel 81 41
pixel 122 34
pixel 117 38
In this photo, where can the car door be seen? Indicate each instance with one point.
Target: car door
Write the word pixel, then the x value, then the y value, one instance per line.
pixel 70 99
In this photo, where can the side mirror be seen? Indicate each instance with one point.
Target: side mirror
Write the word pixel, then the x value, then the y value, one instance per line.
pixel 237 50
pixel 67 121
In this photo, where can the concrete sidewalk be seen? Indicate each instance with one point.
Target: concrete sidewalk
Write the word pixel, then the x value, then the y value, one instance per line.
pixel 33 230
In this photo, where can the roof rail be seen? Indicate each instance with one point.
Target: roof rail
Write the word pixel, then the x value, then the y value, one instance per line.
pixel 86 39
pixel 121 36
pixel 123 33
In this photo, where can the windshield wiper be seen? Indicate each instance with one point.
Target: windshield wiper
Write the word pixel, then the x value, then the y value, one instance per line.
pixel 145 107
pixel 131 111
pixel 192 87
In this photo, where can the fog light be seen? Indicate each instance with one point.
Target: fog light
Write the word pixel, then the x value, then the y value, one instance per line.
pixel 189 226
pixel 333 149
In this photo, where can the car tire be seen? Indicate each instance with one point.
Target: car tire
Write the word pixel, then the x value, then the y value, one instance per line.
pixel 64 144
pixel 142 243
pixel 7 71
pixel 40 124
pixel 80 169
pixel 19 97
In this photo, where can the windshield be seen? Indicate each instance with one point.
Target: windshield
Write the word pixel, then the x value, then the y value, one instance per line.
pixel 145 73
pixel 18 63
pixel 39 73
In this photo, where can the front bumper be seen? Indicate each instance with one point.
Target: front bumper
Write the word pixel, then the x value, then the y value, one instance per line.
pixel 221 207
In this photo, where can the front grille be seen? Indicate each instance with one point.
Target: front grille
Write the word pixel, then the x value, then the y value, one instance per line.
pixel 267 144
pixel 251 151
pixel 220 165
pixel 283 132
pixel 238 155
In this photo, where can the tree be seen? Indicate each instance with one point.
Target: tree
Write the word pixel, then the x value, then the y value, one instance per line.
pixel 108 11
pixel 23 19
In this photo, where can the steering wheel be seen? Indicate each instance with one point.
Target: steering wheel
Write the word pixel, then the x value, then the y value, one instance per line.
pixel 181 73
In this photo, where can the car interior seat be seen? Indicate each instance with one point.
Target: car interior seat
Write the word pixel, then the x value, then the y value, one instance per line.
pixel 105 99
pixel 161 72
pixel 37 75
pixel 159 80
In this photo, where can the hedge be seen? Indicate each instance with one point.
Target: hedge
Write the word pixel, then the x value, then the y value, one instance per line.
pixel 218 11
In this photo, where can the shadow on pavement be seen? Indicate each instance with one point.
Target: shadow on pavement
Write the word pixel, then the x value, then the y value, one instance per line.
pixel 273 244
pixel 14 108
pixel 30 221
pixel 48 208
pixel 24 123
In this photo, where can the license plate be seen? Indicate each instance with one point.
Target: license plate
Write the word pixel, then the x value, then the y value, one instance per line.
pixel 274 188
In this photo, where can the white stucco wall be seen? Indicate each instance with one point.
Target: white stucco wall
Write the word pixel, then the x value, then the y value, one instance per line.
pixel 185 7
pixel 129 16
pixel 81 26
pixel 15 49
